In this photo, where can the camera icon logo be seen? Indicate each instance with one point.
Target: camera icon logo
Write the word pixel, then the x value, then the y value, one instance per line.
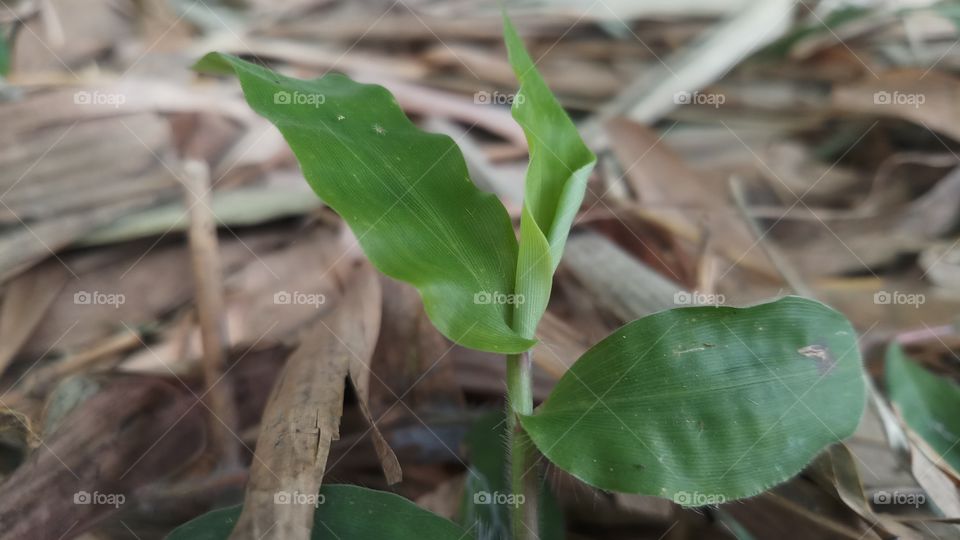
pixel 482 497
pixel 281 98
pixel 82 98
pixel 682 298
pixel 683 98
pixel 882 298
pixel 483 297
pixel 282 298
pixel 682 498
pixel 82 298
pixel 881 497
pixel 882 98
pixel 281 497
pixel 81 497
pixel 481 98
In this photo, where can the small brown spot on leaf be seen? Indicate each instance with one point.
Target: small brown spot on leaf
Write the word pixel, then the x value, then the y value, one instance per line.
pixel 821 355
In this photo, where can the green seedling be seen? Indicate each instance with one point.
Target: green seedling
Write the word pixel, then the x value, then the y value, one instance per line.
pixel 701 405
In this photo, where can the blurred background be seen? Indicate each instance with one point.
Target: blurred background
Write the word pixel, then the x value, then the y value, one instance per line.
pixel 161 256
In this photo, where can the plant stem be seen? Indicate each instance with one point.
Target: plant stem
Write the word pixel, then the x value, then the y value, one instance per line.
pixel 523 471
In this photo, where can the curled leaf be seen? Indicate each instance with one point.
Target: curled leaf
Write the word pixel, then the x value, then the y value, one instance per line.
pixel 560 164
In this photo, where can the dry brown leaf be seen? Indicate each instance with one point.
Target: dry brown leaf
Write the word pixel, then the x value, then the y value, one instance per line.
pixel 680 198
pixel 351 21
pixel 800 505
pixel 794 171
pixel 824 246
pixel 151 279
pixel 25 302
pixel 303 415
pixel 927 98
pixel 621 285
pixel 938 484
pixel 88 29
pixel 413 361
pixel 559 346
pixel 17 430
pixel 131 431
pixel 566 77
pixel 60 182
pixel 837 469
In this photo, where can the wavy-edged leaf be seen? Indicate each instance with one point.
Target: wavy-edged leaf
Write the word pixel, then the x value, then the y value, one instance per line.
pixel 706 404
pixel 927 403
pixel 404 192
pixel 345 512
pixel 560 164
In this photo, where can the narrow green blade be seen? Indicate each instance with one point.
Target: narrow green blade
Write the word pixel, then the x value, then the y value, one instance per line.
pixel 560 164
pixel 706 404
pixel 4 54
pixel 405 193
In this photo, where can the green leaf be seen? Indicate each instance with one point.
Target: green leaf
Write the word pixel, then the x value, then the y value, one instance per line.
pixel 487 484
pixel 927 403
pixel 560 164
pixel 4 54
pixel 706 404
pixel 405 193
pixel 345 512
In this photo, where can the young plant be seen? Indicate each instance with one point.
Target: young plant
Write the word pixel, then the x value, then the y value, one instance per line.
pixel 701 405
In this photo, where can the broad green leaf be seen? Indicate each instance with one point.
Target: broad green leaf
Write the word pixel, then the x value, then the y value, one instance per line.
pixel 405 193
pixel 560 164
pixel 706 404
pixel 484 508
pixel 927 403
pixel 345 512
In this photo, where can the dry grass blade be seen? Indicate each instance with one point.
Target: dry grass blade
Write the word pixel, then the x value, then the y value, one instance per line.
pixel 653 95
pixel 208 278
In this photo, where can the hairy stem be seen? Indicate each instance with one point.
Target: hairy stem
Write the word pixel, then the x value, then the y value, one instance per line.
pixel 523 470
